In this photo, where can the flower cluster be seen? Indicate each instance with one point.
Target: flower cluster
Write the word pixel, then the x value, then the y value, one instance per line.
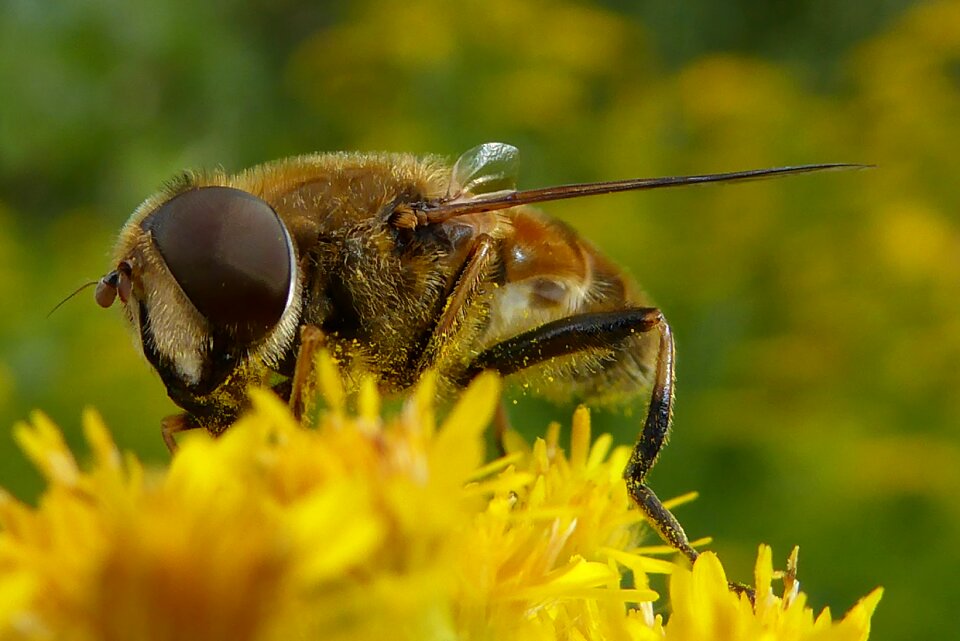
pixel 359 528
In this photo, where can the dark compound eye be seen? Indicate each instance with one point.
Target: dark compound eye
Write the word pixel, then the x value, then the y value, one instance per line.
pixel 231 256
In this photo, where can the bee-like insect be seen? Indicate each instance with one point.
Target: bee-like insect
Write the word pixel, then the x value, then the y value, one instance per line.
pixel 396 264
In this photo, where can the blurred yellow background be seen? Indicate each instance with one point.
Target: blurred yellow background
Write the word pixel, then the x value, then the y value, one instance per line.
pixel 817 318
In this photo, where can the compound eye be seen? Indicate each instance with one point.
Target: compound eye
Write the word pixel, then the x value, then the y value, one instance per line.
pixel 231 256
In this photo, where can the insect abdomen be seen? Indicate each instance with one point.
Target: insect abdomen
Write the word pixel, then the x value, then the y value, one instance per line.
pixel 552 273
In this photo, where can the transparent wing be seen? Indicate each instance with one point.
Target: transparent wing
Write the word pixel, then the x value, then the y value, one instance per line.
pixel 487 168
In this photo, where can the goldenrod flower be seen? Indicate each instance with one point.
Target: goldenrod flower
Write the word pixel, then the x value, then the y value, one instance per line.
pixel 362 528
pixel 704 608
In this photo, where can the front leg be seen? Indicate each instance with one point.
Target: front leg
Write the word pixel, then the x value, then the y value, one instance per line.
pixel 312 339
pixel 172 425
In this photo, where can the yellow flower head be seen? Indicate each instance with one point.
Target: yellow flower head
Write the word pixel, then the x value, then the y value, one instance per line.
pixel 704 608
pixel 360 528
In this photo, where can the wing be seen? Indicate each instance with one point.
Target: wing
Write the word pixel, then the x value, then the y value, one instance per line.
pixel 489 168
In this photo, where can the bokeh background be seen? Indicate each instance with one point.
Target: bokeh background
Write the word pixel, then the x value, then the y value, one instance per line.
pixel 817 318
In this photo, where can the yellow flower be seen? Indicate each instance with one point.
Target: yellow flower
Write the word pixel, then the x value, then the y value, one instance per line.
pixel 704 608
pixel 362 528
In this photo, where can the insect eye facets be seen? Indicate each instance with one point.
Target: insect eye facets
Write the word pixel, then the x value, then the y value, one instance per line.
pixel 230 254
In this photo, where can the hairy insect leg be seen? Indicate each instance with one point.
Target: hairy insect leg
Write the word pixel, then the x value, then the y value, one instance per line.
pixel 311 340
pixel 174 424
pixel 605 330
pixel 656 428
pixel 482 256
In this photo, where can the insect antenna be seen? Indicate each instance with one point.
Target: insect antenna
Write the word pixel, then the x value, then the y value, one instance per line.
pixel 69 296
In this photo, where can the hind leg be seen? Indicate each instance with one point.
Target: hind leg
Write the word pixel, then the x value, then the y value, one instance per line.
pixel 656 428
pixel 606 330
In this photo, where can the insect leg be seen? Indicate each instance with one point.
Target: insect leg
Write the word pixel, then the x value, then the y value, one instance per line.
pixel 562 337
pixel 656 427
pixel 604 330
pixel 457 305
pixel 472 276
pixel 171 425
pixel 311 340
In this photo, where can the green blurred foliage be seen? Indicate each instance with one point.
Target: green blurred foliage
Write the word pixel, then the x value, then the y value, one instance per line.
pixel 817 318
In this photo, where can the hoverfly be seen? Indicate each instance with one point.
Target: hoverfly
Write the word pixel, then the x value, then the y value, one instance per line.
pixel 396 264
